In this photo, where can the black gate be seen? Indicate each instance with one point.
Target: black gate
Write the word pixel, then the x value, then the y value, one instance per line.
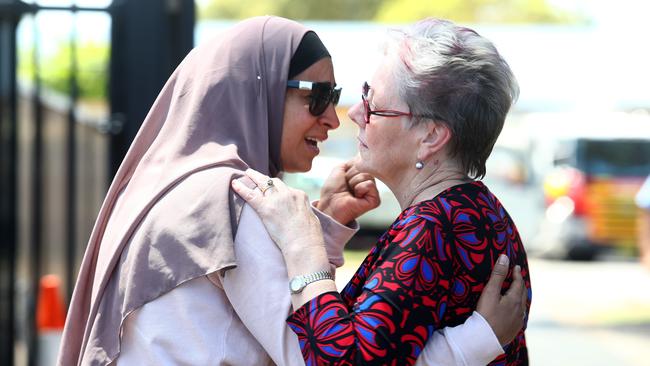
pixel 57 155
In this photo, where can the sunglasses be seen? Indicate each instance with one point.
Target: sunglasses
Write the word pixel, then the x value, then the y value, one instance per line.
pixel 322 94
pixel 377 112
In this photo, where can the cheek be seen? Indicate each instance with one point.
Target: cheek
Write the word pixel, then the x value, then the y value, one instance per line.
pixel 292 150
pixel 378 138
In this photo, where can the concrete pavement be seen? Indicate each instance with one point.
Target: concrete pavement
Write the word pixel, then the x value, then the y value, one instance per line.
pixel 589 314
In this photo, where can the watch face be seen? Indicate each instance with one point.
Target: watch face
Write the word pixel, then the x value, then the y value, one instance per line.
pixel 296 284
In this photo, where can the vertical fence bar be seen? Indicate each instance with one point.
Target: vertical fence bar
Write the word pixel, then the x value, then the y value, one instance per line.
pixel 37 199
pixel 12 186
pixel 8 186
pixel 71 194
pixel 163 37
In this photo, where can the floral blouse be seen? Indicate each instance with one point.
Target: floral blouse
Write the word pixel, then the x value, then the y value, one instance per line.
pixel 425 273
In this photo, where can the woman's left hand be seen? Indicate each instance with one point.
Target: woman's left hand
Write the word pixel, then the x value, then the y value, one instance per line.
pixel 285 212
pixel 507 313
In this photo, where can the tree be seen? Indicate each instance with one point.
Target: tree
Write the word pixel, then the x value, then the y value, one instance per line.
pixel 475 11
pixel 54 70
pixel 393 11
pixel 293 9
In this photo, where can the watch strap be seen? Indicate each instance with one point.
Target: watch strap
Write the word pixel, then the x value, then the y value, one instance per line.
pixel 311 278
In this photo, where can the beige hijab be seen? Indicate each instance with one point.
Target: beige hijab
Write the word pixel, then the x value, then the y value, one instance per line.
pixel 220 112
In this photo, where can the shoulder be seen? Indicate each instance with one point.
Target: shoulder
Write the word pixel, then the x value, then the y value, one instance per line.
pixel 417 230
pixel 250 226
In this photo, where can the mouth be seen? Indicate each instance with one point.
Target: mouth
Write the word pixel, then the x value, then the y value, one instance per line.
pixel 361 143
pixel 313 142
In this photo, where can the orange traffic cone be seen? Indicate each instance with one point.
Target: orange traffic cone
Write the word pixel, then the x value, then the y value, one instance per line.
pixel 50 318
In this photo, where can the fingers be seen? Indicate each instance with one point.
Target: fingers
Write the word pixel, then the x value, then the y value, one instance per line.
pixel 257 177
pixel 517 286
pixel 524 292
pixel 354 177
pixel 336 178
pixel 368 191
pixel 362 189
pixel 248 194
pixel 358 178
pixel 254 195
pixel 340 170
pixel 498 274
pixel 516 294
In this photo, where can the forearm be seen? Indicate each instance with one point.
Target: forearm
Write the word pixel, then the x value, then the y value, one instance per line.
pixel 380 325
pixel 376 332
pixel 258 290
pixel 335 235
pixel 302 260
pixel 472 343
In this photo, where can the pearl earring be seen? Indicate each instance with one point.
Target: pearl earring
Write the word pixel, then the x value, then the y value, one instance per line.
pixel 419 165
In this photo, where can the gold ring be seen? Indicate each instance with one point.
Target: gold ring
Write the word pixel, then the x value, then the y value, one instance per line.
pixel 269 184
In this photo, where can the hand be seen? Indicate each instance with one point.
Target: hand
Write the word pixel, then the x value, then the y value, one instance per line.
pixel 348 193
pixel 285 212
pixel 505 314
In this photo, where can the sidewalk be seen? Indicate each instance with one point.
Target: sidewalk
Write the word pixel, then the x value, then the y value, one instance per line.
pixel 583 314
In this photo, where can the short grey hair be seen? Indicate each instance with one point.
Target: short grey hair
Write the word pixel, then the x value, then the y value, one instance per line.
pixel 452 75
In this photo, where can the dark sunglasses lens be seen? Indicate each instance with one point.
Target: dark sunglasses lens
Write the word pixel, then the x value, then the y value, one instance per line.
pixel 318 105
pixel 320 99
pixel 336 95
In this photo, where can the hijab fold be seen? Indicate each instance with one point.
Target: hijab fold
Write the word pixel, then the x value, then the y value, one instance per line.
pixel 169 215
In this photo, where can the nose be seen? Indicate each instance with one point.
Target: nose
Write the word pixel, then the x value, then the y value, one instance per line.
pixel 329 118
pixel 356 113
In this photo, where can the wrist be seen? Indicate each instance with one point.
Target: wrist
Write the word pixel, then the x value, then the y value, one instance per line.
pixel 323 206
pixel 305 259
pixel 336 215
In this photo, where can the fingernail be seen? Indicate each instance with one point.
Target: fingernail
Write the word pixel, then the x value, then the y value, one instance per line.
pixel 503 259
pixel 517 268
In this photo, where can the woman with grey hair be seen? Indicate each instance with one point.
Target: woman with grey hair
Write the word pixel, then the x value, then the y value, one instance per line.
pixel 427 124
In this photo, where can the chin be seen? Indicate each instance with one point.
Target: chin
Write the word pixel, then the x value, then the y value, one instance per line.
pixel 299 167
pixel 363 166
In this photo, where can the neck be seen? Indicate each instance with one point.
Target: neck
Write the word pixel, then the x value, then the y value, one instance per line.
pixel 425 184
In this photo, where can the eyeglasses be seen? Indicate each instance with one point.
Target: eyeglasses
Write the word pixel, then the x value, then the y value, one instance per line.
pixel 322 94
pixel 378 112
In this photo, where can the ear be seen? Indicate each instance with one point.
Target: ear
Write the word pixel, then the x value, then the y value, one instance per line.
pixel 436 137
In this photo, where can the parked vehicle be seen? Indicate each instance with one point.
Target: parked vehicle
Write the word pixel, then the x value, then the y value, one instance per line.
pixel 598 165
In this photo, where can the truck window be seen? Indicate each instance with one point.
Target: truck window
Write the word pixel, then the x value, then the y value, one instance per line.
pixel 614 157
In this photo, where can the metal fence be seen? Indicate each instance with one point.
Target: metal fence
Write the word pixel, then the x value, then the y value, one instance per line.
pixel 56 159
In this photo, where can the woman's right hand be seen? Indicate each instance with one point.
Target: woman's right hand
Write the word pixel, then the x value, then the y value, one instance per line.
pixel 347 193
pixel 506 313
pixel 285 212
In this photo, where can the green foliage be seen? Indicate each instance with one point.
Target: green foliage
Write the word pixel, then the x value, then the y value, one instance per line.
pixel 393 11
pixel 293 9
pixel 474 11
pixel 92 69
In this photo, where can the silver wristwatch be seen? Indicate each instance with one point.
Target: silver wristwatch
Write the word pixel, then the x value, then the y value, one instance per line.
pixel 298 283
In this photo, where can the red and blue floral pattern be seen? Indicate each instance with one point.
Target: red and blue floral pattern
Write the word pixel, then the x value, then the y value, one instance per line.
pixel 425 273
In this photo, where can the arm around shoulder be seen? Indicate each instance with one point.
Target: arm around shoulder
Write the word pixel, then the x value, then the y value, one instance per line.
pixel 472 343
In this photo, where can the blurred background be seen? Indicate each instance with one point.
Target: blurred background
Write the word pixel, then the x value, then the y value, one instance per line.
pixel 78 77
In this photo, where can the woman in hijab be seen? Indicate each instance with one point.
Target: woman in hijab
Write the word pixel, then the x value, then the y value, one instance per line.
pixel 427 123
pixel 178 270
